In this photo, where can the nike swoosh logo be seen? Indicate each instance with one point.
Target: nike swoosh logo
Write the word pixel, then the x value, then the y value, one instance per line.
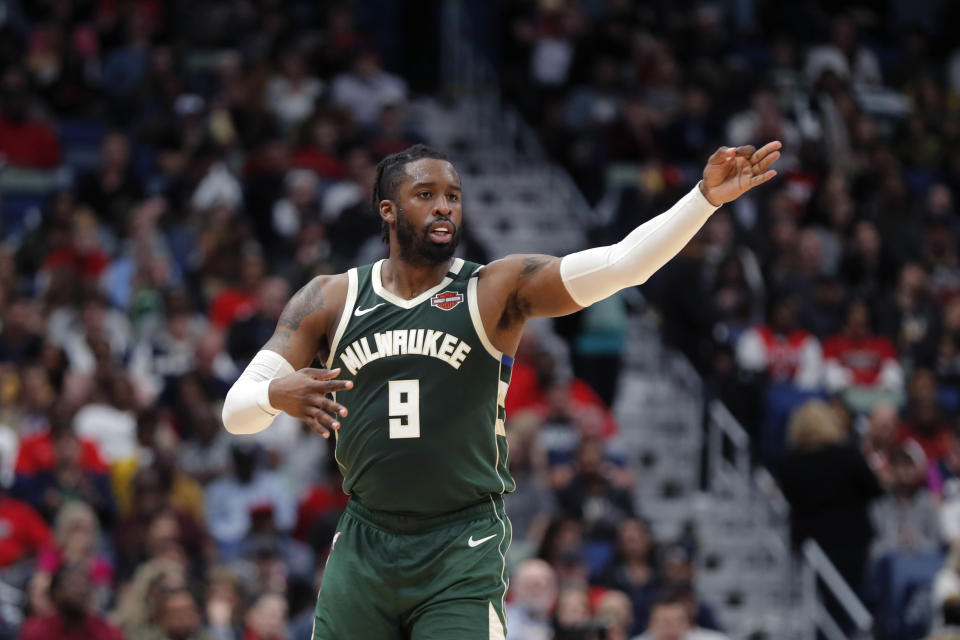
pixel 359 312
pixel 475 543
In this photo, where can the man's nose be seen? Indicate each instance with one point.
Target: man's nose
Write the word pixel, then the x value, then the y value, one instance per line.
pixel 443 207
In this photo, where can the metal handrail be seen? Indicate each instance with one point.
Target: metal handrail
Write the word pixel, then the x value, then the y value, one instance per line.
pixel 816 564
pixel 725 428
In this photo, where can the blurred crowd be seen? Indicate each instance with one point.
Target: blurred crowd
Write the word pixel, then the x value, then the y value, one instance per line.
pixel 823 309
pixel 170 172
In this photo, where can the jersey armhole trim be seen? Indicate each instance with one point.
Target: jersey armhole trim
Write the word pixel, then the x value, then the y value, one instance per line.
pixel 474 307
pixel 348 305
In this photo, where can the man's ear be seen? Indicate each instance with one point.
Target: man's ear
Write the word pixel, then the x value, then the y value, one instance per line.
pixel 388 211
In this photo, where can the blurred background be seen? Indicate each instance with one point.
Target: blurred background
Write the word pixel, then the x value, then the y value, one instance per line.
pixel 760 442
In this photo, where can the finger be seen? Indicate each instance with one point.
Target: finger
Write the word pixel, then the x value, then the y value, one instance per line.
pixel 333 407
pixel 323 421
pixel 321 374
pixel 746 150
pixel 764 164
pixel 314 423
pixel 721 155
pixel 330 386
pixel 755 180
pixel 765 150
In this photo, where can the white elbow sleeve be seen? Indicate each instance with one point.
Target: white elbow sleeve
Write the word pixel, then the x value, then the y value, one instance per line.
pixel 595 274
pixel 246 409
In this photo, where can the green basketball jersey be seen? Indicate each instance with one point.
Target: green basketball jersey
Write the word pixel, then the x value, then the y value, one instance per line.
pixel 424 434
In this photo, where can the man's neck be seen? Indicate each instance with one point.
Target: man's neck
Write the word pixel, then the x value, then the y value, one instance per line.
pixel 401 278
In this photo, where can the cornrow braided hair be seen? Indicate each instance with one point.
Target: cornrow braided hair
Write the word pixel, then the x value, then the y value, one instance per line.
pixel 390 174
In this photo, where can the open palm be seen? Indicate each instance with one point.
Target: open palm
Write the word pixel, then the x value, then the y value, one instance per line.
pixel 732 171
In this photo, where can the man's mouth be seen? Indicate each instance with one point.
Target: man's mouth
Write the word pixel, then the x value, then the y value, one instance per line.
pixel 441 232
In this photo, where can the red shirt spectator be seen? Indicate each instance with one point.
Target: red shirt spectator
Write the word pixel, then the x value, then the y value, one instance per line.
pixel 24 141
pixel 320 500
pixel 526 393
pixel 230 305
pixel 23 533
pixel 324 165
pixel 29 143
pixel 37 455
pixel 858 357
pixel 83 255
pixel 781 350
pixel 71 593
pixel 55 626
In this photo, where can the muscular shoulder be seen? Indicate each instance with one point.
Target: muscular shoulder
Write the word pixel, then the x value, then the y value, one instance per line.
pixel 316 302
pixel 308 317
pixel 501 287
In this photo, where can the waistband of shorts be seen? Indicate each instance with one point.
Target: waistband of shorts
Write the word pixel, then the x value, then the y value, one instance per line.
pixel 418 523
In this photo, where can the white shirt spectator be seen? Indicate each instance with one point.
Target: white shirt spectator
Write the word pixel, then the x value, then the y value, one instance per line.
pixel 114 430
pixel 290 102
pixel 365 95
pixel 228 504
pixel 795 358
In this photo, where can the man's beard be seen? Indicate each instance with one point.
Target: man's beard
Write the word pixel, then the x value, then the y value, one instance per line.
pixel 415 245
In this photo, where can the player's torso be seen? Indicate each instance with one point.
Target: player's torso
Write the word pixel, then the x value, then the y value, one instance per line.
pixel 424 432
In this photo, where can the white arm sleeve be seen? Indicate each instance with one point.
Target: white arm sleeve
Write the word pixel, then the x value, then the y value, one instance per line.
pixel 246 409
pixel 595 274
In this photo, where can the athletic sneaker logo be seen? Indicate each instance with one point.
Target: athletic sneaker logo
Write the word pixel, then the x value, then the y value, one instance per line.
pixel 333 545
pixel 360 312
pixel 476 543
pixel 446 300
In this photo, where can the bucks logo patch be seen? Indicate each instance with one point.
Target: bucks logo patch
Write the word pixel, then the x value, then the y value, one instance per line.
pixel 446 300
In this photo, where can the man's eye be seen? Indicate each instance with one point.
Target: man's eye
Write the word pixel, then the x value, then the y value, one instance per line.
pixel 453 197
pixel 424 194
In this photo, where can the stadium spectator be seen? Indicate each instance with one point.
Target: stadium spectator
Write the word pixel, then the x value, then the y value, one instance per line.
pixel 633 569
pixel 829 487
pixel 267 618
pixel 782 351
pixel 25 140
pixel 862 364
pixel 113 189
pixel 906 518
pixel 232 499
pixel 367 88
pixel 176 617
pixel 26 534
pixel 533 598
pixel 614 615
pixel 670 620
pixel 78 543
pixel 923 420
pixel 71 593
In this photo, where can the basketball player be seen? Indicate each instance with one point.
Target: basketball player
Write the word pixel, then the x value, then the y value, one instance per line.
pixel 419 346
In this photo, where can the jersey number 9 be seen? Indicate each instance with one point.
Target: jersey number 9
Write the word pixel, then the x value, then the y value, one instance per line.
pixel 404 404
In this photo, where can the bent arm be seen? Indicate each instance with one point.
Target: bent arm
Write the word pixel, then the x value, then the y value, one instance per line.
pixel 247 408
pixel 300 329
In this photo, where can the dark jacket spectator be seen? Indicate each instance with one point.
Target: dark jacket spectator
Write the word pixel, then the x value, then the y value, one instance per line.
pixel 829 487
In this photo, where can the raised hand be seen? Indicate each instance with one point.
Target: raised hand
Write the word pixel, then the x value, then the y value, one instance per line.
pixel 732 171
pixel 302 394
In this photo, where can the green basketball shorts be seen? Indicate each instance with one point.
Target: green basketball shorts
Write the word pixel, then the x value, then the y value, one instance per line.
pixel 391 577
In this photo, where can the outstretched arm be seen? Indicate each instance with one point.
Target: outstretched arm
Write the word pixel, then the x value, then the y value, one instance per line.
pixel 547 286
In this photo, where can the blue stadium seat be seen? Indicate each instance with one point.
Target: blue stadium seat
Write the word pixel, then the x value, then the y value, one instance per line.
pixel 80 142
pixel 900 585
